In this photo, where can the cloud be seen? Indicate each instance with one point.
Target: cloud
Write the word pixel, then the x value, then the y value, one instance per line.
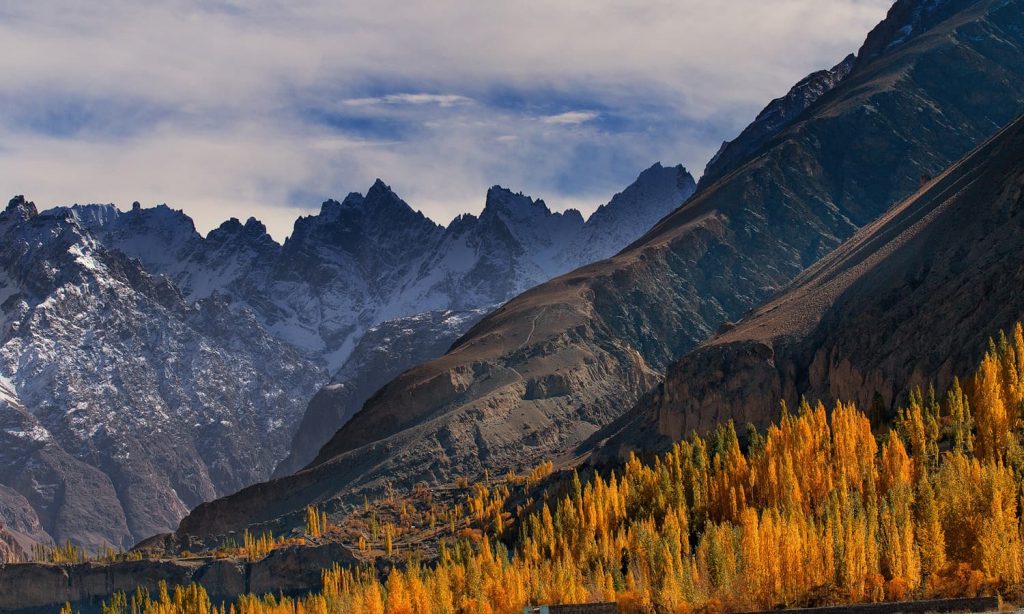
pixel 570 118
pixel 265 107
pixel 443 100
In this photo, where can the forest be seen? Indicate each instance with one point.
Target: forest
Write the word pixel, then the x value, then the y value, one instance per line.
pixel 820 508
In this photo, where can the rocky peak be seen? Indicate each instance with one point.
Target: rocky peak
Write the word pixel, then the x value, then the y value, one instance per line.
pixel 331 208
pixel 906 20
pixel 382 207
pixel 381 191
pixel 229 226
pixel 359 215
pixel 253 229
pixel 21 208
pixel 655 193
pixel 653 184
pixel 514 204
pixel 462 223
pixel 91 217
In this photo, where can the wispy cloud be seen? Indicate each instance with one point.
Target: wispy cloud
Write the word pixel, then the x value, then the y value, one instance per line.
pixel 266 107
pixel 441 100
pixel 570 118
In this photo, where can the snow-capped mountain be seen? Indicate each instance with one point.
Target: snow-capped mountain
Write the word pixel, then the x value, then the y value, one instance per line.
pixel 369 259
pixel 124 405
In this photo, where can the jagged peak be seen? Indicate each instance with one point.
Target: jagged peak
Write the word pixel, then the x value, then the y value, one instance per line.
pixel 379 188
pixel 462 222
pixel 93 216
pixel 232 224
pixel 332 208
pixel 657 172
pixel 573 214
pixel 255 226
pixel 381 195
pixel 654 177
pixel 164 213
pixel 18 206
pixel 813 81
pixel 502 198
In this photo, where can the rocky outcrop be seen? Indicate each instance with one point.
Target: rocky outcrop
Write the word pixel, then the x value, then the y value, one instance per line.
pixel 19 521
pixel 910 300
pixel 286 570
pixel 605 332
pixel 10 550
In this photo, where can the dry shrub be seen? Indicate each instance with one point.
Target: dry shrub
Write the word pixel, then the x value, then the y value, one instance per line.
pixel 959 580
pixel 896 589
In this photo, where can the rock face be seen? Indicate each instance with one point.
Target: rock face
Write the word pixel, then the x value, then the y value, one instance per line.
pixel 548 369
pixel 19 521
pixel 10 550
pixel 289 570
pixel 123 405
pixel 910 300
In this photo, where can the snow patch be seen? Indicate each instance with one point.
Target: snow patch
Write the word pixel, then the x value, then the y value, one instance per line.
pixel 83 259
pixel 8 392
pixel 36 433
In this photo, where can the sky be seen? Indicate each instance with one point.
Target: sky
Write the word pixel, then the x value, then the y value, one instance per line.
pixel 266 108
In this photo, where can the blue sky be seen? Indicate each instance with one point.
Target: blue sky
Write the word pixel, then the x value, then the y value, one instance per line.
pixel 266 108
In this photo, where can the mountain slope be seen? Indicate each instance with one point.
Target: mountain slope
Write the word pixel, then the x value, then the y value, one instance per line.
pixel 381 355
pixel 908 301
pixel 560 361
pixel 124 405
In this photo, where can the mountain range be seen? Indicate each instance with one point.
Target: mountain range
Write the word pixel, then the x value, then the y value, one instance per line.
pixel 861 238
pixel 536 378
pixel 145 368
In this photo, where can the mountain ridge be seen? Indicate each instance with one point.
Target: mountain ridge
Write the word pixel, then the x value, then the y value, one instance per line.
pixel 909 301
